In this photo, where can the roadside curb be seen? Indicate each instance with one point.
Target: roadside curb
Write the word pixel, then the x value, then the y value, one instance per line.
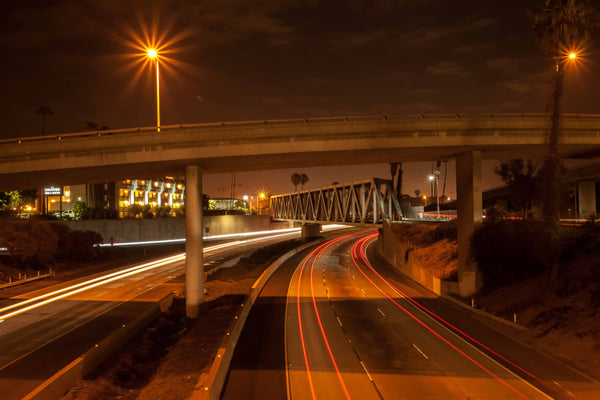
pixel 62 381
pixel 210 384
pixel 485 313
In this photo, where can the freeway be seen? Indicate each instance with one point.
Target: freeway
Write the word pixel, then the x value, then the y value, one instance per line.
pixel 338 322
pixel 44 330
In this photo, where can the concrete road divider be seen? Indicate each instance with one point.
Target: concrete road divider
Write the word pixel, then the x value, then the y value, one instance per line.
pixel 210 384
pixel 61 382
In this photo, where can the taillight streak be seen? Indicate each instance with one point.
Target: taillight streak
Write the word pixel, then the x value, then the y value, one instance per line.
pixel 314 255
pixel 354 259
pixel 428 311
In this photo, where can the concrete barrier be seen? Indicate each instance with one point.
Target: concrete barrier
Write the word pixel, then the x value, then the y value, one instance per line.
pixel 61 382
pixel 210 384
pixel 141 229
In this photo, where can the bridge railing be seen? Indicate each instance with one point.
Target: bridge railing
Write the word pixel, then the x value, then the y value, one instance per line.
pixel 420 122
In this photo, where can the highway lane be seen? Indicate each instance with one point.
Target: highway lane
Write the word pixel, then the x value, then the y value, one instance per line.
pixel 357 329
pixel 42 331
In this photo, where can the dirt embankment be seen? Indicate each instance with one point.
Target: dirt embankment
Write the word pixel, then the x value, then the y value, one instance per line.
pixel 434 247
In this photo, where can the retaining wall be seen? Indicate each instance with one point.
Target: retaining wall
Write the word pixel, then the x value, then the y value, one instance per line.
pixel 398 252
pixel 141 229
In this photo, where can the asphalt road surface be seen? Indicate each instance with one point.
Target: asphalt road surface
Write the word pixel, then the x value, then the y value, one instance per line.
pixel 44 330
pixel 338 322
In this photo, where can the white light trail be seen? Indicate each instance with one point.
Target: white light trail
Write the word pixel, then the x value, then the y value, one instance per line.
pixel 92 283
pixel 226 236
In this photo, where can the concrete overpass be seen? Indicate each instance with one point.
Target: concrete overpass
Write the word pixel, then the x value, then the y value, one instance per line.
pixel 192 150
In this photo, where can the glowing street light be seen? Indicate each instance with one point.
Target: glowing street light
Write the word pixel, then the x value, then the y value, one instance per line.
pixel 154 55
pixel 436 177
pixel 262 196
pixel 572 56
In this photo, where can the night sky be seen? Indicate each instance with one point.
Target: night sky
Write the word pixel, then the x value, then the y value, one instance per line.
pixel 268 59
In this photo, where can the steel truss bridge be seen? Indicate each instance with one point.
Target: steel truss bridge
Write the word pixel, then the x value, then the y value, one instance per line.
pixel 364 202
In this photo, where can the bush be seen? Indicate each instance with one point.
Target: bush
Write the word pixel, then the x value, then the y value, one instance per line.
pixel 82 244
pixel 63 246
pixel 509 251
pixel 147 211
pixel 46 239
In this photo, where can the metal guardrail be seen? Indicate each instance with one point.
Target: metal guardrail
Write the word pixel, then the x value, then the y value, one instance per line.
pixel 441 118
pixel 39 276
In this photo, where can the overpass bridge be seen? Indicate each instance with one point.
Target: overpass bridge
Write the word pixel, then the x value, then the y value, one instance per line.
pixel 192 150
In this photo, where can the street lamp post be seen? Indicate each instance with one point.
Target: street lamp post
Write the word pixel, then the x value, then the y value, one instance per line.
pixel 154 55
pixel 436 177
pixel 262 196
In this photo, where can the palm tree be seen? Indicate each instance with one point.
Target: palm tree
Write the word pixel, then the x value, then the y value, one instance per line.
pixel 296 180
pixel 303 180
pixel 44 111
pixel 559 26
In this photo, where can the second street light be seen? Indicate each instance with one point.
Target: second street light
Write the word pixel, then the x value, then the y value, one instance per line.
pixel 153 54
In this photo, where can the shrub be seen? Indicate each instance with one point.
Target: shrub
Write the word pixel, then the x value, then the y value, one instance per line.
pixel 509 251
pixel 82 244
pixel 46 240
pixel 63 246
pixel 147 211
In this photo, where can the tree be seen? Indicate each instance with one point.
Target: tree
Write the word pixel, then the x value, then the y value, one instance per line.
pixel 15 199
pixel 94 126
pixel 417 193
pixel 518 175
pixel 44 111
pixel 296 179
pixel 79 209
pixel 303 180
pixel 559 26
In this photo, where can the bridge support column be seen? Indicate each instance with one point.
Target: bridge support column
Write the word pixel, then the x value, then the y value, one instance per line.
pixel 194 264
pixel 469 207
pixel 586 196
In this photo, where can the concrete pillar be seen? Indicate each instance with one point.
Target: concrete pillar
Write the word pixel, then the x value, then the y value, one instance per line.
pixel 374 204
pixel 586 194
pixel 469 207
pixel 194 268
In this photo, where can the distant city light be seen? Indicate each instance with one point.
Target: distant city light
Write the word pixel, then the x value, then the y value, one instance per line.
pixel 152 53
pixel 572 55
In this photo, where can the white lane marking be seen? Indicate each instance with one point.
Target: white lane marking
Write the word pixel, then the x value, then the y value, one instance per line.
pixel 363 291
pixel 353 277
pixel 366 371
pixel 563 388
pixel 339 321
pixel 381 312
pixel 472 346
pixel 419 350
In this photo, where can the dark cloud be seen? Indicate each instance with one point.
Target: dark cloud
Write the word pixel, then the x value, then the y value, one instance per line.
pixel 270 59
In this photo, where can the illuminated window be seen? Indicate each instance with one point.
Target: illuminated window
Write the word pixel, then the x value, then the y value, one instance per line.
pixel 155 184
pixel 168 185
pixel 179 186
